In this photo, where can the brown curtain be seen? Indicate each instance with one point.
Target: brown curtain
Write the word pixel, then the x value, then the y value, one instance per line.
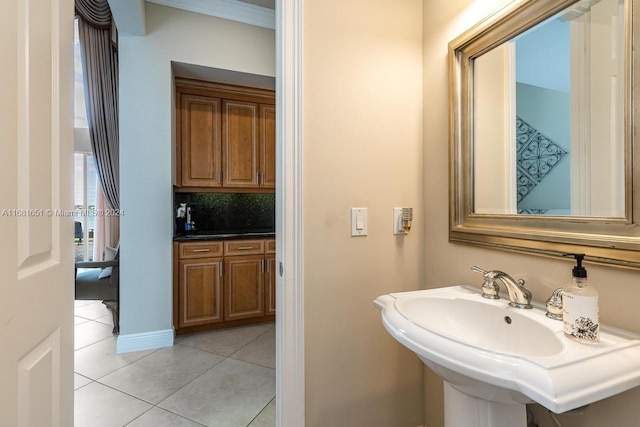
pixel 100 65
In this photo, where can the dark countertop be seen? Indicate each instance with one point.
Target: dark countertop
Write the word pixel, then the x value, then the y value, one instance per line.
pixel 224 236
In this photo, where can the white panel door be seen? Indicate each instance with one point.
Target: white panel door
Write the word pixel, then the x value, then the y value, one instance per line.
pixel 36 241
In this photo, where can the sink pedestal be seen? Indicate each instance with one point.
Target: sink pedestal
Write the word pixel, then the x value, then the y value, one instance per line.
pixel 462 410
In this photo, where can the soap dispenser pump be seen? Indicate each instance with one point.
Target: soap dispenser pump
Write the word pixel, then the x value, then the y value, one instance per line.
pixel 580 306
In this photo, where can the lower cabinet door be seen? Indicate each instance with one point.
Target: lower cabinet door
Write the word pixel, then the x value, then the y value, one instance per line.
pixel 244 285
pixel 270 285
pixel 200 292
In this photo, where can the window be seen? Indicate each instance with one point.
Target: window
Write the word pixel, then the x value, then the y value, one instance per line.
pixel 78 83
pixel 85 177
pixel 85 188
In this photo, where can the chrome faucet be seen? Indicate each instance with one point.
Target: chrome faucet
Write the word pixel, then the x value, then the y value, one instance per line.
pixel 519 296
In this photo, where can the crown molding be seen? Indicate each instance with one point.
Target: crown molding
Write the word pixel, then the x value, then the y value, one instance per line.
pixel 232 10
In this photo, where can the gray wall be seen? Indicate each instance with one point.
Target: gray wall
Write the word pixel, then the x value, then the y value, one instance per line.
pixel 147 144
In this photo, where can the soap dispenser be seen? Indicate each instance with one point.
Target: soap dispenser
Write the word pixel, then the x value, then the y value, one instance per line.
pixel 580 306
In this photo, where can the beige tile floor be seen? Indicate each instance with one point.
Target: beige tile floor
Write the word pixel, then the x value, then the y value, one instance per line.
pixel 222 378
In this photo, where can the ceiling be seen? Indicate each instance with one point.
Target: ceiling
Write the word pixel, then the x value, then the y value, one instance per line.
pixel 253 12
pixel 270 4
pixel 199 72
pixel 130 19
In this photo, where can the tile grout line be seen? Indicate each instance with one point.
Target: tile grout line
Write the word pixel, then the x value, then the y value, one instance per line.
pixel 203 373
pixel 260 411
pixel 180 415
pixel 256 364
pixel 166 410
pixel 250 363
pixel 198 376
pixel 235 351
pixel 156 405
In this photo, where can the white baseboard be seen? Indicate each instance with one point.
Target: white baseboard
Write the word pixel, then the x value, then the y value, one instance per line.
pixel 145 341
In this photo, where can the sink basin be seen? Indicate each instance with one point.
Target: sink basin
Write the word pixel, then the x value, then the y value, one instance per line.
pixel 484 326
pixel 488 350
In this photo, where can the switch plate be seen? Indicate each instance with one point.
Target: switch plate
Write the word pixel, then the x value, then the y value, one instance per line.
pixel 359 222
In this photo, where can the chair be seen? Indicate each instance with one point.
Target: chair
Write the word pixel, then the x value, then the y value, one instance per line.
pixel 78 231
pixel 96 283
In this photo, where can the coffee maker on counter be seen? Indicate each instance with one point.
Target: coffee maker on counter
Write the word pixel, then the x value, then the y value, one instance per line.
pixel 184 221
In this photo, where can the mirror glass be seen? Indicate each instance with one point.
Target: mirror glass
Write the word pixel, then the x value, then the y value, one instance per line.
pixel 542 117
pixel 548 109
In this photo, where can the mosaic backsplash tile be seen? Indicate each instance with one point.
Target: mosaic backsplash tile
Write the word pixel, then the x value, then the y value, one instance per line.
pixel 215 213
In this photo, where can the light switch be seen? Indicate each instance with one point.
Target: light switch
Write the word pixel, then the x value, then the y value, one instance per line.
pixel 359 222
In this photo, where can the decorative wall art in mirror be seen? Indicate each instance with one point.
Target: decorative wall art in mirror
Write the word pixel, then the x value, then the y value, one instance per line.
pixel 542 113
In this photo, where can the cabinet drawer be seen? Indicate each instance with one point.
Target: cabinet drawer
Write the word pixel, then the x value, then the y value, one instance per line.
pixel 271 246
pixel 200 250
pixel 243 247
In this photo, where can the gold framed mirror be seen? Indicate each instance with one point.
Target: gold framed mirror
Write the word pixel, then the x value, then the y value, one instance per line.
pixel 542 119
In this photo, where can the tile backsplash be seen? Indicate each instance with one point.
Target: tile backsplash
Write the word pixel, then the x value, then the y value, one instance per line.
pixel 228 212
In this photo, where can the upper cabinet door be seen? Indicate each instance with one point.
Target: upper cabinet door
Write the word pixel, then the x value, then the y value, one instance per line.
pixel 200 141
pixel 226 137
pixel 267 146
pixel 240 149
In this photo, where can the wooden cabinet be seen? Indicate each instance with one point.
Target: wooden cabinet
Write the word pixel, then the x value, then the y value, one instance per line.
pixel 248 144
pixel 246 277
pixel 270 285
pixel 223 283
pixel 226 137
pixel 204 249
pixel 270 277
pixel 268 146
pixel 244 287
pixel 200 291
pixel 240 146
pixel 201 146
pixel 244 247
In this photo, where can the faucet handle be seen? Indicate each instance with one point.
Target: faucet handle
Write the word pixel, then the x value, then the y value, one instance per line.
pixel 478 270
pixel 488 275
pixel 554 305
pixel 490 289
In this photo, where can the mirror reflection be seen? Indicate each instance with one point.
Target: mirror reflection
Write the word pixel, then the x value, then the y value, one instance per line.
pixel 549 117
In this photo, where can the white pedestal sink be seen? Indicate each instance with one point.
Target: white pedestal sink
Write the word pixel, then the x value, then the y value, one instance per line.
pixel 494 358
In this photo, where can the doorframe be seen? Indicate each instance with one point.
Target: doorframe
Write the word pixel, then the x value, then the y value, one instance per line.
pixel 290 358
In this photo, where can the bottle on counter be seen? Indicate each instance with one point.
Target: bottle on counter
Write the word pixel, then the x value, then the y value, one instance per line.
pixel 580 306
